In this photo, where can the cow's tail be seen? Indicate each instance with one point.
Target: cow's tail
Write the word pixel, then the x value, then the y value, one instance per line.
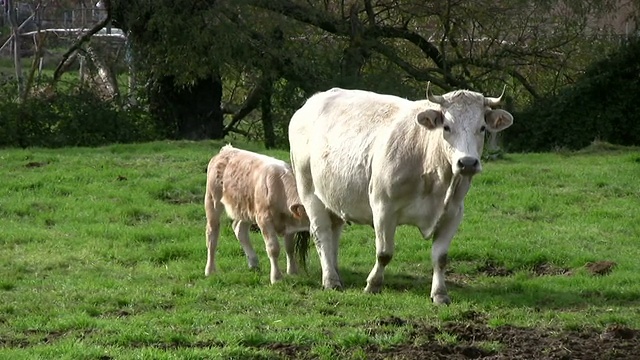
pixel 302 241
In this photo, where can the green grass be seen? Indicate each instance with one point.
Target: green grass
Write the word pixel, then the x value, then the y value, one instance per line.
pixel 102 255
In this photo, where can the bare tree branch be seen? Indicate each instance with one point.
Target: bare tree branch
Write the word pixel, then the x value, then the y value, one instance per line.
pixel 251 103
pixel 509 70
pixel 342 27
pixel 369 10
pixel 418 74
pixel 305 14
pixel 81 40
pixel 423 44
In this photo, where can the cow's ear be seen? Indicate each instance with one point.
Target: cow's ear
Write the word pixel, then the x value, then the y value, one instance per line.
pixel 498 120
pixel 298 211
pixel 430 119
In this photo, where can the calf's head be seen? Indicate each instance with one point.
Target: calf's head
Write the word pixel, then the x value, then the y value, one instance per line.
pixel 463 117
pixel 299 220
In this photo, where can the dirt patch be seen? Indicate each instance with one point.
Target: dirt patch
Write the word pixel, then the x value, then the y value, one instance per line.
pixel 35 164
pixel 600 267
pixel 391 321
pixel 490 268
pixel 288 351
pixel 548 269
pixel 478 341
pixel 32 337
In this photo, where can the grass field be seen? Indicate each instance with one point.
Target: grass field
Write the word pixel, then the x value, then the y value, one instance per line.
pixel 102 255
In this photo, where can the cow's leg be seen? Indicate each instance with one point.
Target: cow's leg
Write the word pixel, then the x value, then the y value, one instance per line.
pixel 336 231
pixel 213 210
pixel 320 225
pixel 241 229
pixel 319 222
pixel 289 247
pixel 326 244
pixel 273 247
pixel 321 229
pixel 442 237
pixel 384 223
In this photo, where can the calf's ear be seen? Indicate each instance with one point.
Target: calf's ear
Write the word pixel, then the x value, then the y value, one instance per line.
pixel 498 120
pixel 298 211
pixel 430 119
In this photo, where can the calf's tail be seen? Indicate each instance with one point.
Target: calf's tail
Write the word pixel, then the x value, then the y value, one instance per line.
pixel 301 248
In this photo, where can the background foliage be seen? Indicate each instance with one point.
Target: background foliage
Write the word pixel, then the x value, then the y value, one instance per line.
pixel 239 69
pixel 602 105
pixel 71 118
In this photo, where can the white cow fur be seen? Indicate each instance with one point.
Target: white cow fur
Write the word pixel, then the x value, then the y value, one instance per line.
pixel 385 161
pixel 253 189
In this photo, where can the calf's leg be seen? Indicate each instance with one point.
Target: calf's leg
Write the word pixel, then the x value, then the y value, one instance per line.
pixel 289 247
pixel 272 246
pixel 213 210
pixel 241 229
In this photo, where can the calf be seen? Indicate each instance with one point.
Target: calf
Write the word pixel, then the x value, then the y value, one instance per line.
pixel 254 189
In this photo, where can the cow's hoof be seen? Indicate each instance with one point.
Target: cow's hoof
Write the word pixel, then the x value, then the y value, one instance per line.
pixel 373 289
pixel 253 264
pixel 333 285
pixel 209 271
pixel 441 299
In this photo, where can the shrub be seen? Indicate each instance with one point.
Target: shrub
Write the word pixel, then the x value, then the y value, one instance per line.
pixel 73 118
pixel 604 104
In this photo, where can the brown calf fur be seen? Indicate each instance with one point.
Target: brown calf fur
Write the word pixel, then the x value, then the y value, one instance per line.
pixel 253 189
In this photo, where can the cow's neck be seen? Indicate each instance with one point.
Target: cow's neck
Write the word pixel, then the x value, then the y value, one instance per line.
pixel 451 188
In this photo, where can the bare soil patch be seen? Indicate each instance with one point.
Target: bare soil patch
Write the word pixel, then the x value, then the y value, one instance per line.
pixel 475 340
pixel 35 164
pixel 490 268
pixel 600 267
pixel 548 269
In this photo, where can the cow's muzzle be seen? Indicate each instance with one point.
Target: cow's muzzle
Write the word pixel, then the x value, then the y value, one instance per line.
pixel 468 165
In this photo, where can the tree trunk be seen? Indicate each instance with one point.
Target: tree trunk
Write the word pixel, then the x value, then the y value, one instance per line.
pixel 355 56
pixel 354 59
pixel 267 115
pixel 191 112
pixel 15 33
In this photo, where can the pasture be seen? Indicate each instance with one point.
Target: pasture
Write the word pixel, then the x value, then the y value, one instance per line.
pixel 102 255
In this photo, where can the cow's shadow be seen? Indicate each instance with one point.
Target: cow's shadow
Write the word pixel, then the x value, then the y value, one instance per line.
pixel 535 296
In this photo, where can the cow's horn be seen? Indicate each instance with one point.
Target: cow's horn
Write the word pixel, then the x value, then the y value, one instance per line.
pixel 493 101
pixel 434 98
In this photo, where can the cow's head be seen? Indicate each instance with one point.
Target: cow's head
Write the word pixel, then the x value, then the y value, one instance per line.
pixel 463 117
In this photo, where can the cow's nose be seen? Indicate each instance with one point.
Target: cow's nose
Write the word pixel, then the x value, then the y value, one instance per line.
pixel 468 164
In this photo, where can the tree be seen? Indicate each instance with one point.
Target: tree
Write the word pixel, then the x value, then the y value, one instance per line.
pixel 187 51
pixel 173 46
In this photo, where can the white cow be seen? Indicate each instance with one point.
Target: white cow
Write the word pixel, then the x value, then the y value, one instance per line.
pixel 386 161
pixel 254 189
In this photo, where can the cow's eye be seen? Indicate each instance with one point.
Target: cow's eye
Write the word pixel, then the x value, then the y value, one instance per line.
pixel 446 128
pixel 483 128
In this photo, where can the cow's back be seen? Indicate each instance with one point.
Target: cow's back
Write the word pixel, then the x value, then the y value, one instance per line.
pixel 251 183
pixel 333 138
